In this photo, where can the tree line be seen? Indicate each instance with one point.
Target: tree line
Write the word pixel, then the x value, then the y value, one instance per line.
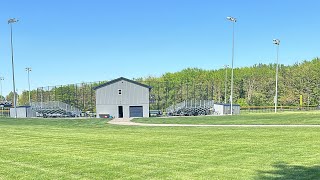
pixel 253 86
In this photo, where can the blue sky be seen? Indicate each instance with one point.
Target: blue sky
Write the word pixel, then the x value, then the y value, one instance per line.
pixel 75 41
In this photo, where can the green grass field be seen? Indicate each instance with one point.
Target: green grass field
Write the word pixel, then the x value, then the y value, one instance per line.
pixel 311 117
pixel 93 149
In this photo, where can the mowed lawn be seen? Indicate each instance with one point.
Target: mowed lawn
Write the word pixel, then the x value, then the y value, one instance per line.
pixel 304 117
pixel 93 149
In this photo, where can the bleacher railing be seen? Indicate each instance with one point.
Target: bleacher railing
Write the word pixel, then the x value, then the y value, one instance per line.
pixel 51 105
pixel 190 104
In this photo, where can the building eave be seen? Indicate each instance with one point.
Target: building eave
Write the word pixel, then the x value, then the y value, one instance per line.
pixel 120 79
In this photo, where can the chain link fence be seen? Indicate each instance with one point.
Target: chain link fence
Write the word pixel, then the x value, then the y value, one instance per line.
pixel 162 95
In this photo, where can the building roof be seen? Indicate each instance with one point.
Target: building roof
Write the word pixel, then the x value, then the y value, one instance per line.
pixel 120 79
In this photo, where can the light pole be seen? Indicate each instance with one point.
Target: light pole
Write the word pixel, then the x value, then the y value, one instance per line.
pixel 1 79
pixel 28 69
pixel 2 105
pixel 11 21
pixel 233 20
pixel 276 42
pixel 225 84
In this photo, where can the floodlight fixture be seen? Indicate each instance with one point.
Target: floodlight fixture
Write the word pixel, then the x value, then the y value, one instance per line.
pixel 12 20
pixel 276 41
pixel 232 19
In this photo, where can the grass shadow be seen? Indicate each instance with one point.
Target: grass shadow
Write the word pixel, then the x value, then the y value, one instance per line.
pixel 285 171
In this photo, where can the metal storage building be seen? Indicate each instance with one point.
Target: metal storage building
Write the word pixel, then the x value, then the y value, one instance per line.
pixel 122 98
pixel 23 112
pixel 223 109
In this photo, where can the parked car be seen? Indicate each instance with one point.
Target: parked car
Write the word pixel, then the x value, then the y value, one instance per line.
pixel 155 113
pixel 69 114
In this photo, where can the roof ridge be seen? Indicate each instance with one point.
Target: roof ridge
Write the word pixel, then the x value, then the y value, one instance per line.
pixel 119 79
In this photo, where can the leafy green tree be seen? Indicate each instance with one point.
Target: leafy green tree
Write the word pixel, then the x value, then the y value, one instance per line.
pixel 253 86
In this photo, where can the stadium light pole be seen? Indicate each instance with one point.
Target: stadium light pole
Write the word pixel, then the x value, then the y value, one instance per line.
pixel 28 69
pixel 233 20
pixel 11 21
pixel 1 79
pixel 2 105
pixel 225 84
pixel 277 43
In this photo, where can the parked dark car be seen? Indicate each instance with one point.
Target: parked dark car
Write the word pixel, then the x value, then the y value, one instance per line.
pixel 69 114
pixel 155 113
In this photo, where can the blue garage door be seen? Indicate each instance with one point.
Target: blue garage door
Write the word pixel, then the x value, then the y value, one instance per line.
pixel 136 111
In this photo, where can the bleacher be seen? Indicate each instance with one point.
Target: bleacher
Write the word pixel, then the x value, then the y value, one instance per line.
pixel 191 108
pixel 55 109
pixel 5 103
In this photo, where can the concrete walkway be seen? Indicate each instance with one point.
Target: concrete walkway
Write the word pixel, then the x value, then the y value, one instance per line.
pixel 128 122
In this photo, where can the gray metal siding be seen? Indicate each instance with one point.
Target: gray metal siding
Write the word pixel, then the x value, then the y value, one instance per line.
pixel 22 112
pixel 108 99
pixel 221 109
pixel 131 94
